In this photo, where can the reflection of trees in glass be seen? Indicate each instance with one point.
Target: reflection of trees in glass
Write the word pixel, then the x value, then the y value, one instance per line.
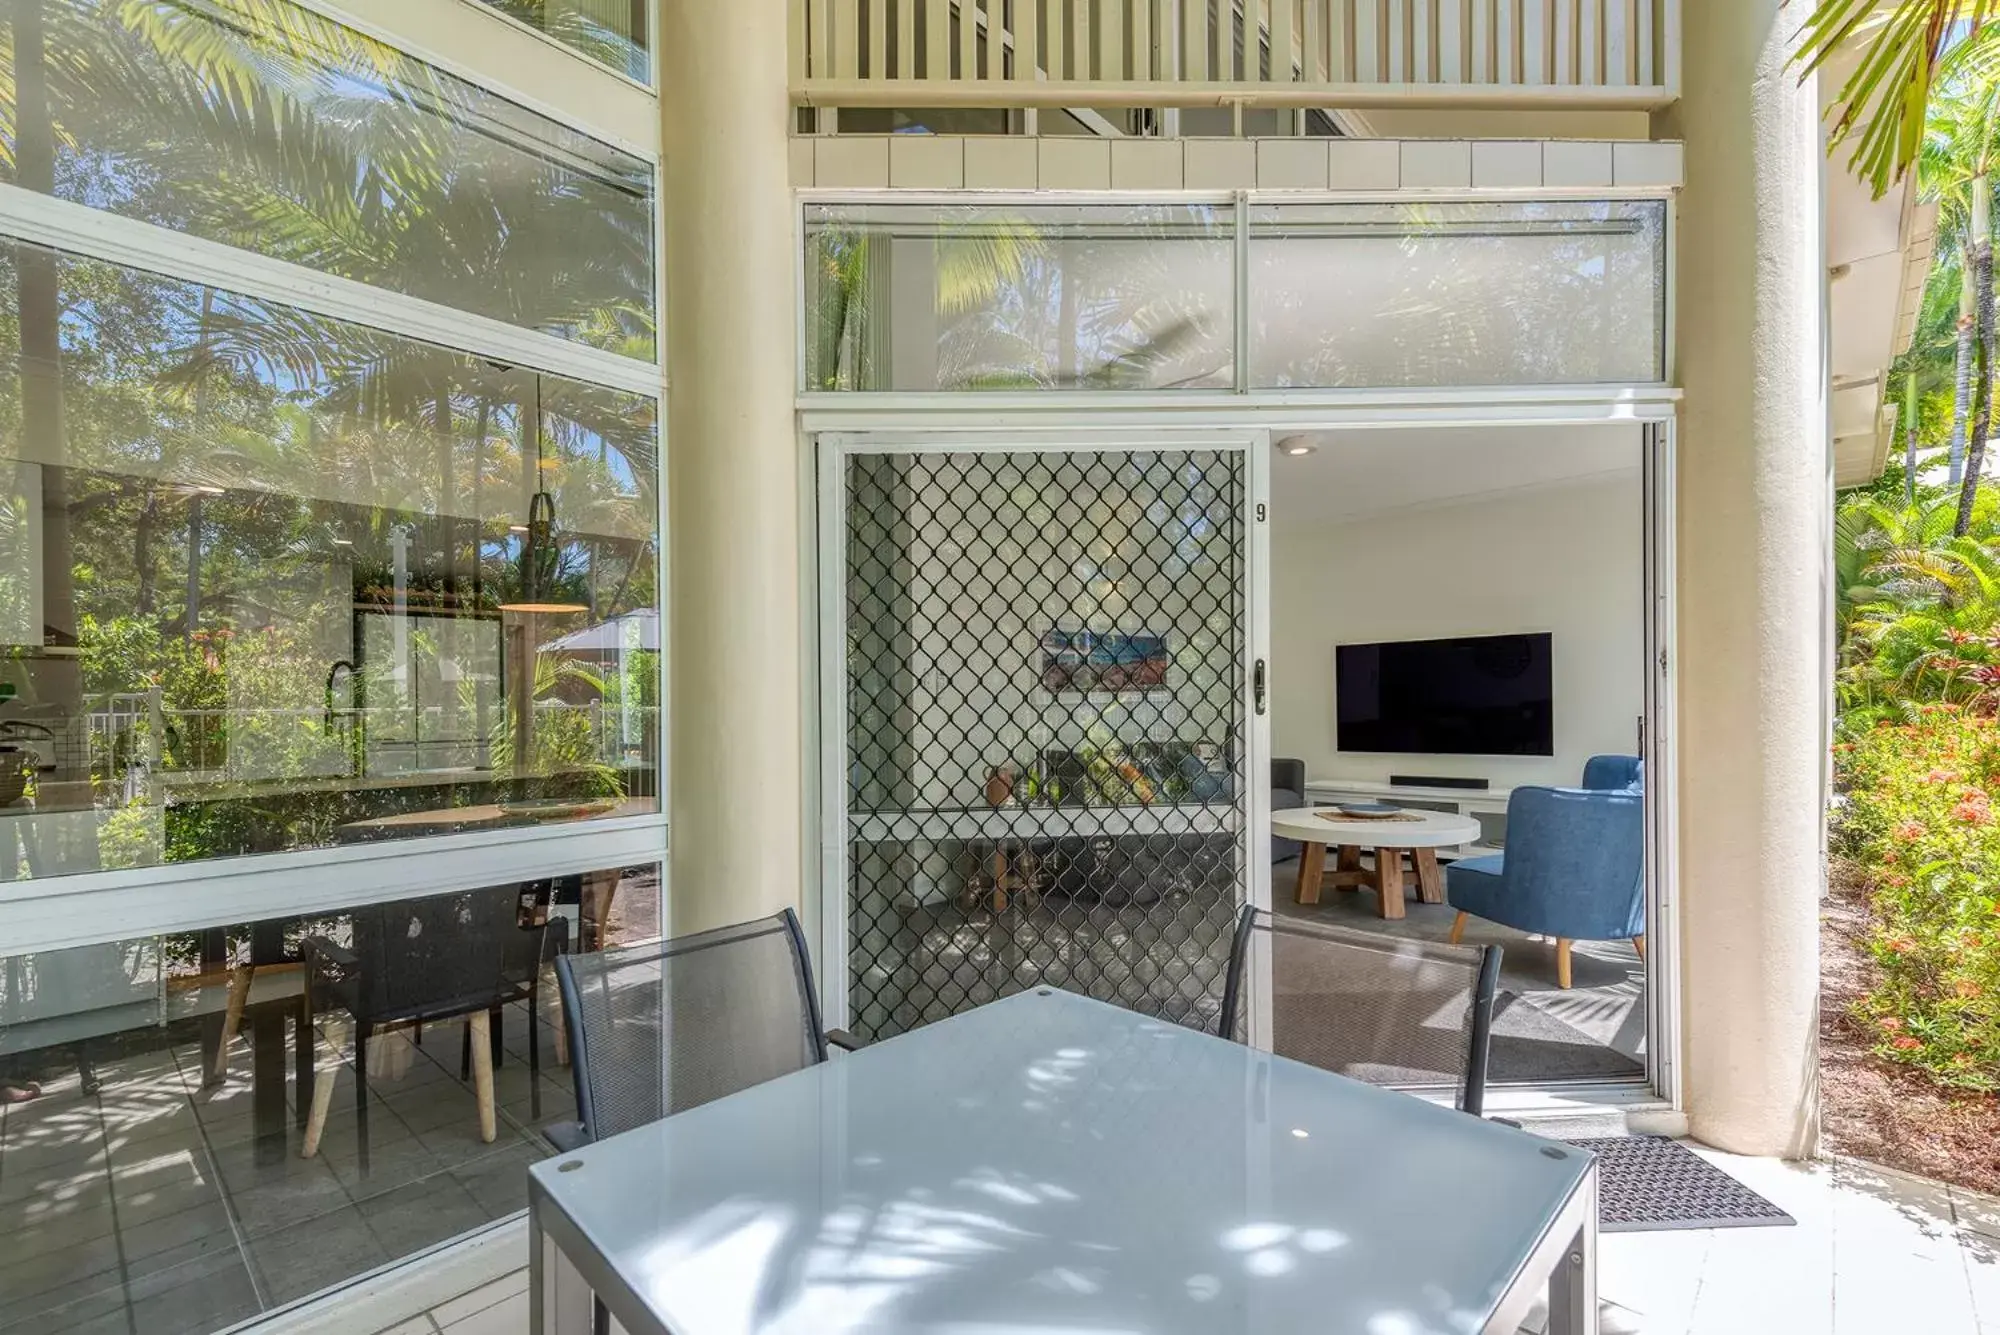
pixel 609 32
pixel 266 126
pixel 986 298
pixel 1457 294
pixel 238 479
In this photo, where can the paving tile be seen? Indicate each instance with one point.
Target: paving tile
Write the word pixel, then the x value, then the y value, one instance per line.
pixel 421 1214
pixel 76 1306
pixel 478 1300
pixel 82 1263
pixel 509 1317
pixel 307 1257
pixel 391 1165
pixel 162 1198
pixel 281 1204
pixel 1898 1264
pixel 202 1235
pixel 499 1182
pixel 59 1228
pixel 1982 1276
pixel 1976 1214
pixel 203 1303
pixel 421 1325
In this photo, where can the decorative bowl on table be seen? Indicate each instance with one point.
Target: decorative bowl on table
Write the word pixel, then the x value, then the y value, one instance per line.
pixel 1368 810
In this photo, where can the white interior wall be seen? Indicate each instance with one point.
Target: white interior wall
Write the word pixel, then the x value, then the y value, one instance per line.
pixel 1560 551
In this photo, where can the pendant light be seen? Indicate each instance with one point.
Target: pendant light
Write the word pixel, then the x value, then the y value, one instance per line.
pixel 539 549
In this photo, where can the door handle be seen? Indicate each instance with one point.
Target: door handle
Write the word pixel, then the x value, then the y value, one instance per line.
pixel 1258 685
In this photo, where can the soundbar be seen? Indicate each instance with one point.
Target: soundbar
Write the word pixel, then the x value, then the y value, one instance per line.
pixel 1435 781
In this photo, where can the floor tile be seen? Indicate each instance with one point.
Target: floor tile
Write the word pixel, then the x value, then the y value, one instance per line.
pixel 421 1214
pixel 1898 1264
pixel 479 1299
pixel 509 1317
pixel 279 1205
pixel 203 1304
pixel 421 1325
pixel 312 1255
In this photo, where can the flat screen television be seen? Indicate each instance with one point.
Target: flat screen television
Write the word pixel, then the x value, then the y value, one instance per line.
pixel 1493 695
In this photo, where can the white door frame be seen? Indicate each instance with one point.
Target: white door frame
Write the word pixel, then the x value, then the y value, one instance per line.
pixel 826 736
pixel 1652 409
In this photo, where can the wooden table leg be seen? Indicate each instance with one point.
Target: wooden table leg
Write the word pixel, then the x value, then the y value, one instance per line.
pixel 1312 867
pixel 1347 873
pixel 1430 876
pixel 1389 881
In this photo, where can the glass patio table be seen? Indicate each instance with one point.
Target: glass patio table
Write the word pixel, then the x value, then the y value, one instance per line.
pixel 1049 1164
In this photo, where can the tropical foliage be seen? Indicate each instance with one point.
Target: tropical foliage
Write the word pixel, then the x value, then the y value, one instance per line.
pixel 1920 819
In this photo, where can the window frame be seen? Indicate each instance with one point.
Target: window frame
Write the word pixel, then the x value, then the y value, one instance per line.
pixel 1242 202
pixel 91 907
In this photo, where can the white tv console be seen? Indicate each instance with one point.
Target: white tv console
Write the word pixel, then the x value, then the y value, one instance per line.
pixel 1486 805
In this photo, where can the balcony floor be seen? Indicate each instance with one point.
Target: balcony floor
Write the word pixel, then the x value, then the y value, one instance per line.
pixel 147 1209
pixel 1874 1253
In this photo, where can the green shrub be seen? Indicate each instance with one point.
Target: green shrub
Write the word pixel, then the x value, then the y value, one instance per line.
pixel 1918 816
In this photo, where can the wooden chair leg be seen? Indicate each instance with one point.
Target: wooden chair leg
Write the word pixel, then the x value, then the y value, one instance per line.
pixel 1639 944
pixel 481 1025
pixel 232 1017
pixel 1563 944
pixel 322 1095
pixel 1458 928
pixel 1312 870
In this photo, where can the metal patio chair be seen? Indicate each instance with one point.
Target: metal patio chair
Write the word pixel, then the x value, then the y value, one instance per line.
pixel 1382 1009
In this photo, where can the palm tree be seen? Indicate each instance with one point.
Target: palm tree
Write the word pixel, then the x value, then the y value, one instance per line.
pixel 1909 51
pixel 1961 153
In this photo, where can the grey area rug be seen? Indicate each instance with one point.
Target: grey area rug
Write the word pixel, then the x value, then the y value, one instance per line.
pixel 1531 1046
pixel 1650 1185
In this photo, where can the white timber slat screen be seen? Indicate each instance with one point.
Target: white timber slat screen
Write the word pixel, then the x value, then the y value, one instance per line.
pixel 1278 51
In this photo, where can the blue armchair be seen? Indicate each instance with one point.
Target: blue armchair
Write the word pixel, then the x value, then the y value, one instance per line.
pixel 1574 867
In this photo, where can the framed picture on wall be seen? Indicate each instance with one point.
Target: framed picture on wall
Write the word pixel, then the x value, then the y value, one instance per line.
pixel 1084 662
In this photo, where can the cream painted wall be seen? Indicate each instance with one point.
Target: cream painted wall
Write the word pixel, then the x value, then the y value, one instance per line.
pixel 1564 558
pixel 1451 123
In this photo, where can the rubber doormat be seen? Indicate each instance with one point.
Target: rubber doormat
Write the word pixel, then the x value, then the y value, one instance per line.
pixel 1645 1184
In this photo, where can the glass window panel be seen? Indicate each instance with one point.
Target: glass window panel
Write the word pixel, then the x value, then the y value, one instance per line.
pixel 149 1136
pixel 614 33
pixel 272 128
pixel 283 582
pixel 1436 294
pixel 943 297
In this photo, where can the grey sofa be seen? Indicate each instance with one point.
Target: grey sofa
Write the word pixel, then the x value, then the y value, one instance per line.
pixel 1288 792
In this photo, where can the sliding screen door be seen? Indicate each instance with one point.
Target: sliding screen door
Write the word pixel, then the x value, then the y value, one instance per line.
pixel 1041 728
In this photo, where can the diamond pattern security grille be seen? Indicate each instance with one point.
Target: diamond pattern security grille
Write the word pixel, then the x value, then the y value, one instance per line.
pixel 1045 729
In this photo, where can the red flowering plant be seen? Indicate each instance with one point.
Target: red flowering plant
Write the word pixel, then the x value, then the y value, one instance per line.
pixel 1917 814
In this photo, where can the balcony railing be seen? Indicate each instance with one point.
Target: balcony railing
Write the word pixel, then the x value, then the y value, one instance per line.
pixel 1283 53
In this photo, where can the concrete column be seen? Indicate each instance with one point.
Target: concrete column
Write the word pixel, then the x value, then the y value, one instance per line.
pixel 1754 501
pixel 734 676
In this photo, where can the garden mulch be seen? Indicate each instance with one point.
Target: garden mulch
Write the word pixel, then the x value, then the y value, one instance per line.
pixel 1873 1109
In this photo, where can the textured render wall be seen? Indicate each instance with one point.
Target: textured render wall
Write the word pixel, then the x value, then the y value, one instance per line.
pixel 732 468
pixel 1753 506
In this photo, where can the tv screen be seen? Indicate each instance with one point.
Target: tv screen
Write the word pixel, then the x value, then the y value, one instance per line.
pixel 1489 696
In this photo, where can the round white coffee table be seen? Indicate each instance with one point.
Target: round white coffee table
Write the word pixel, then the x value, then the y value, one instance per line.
pixel 1418 833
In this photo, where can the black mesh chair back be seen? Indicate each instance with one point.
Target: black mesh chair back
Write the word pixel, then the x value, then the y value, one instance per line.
pixel 1407 1014
pixel 442 955
pixel 660 1028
